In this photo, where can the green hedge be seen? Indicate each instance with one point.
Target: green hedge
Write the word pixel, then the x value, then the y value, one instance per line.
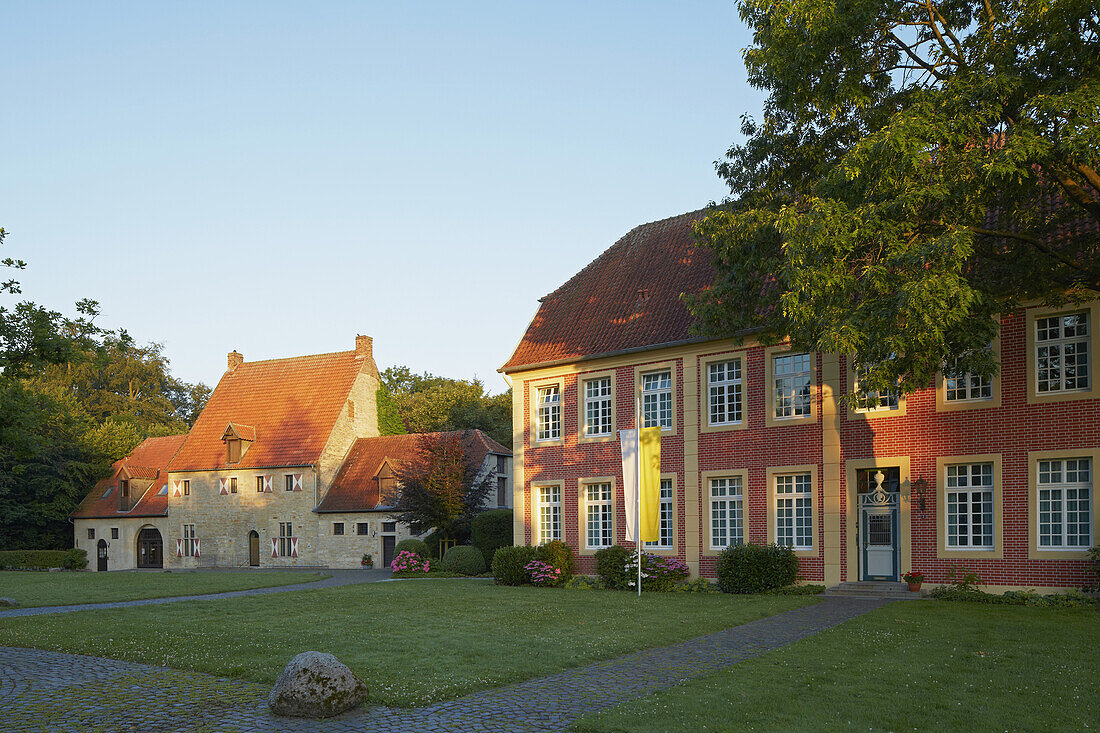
pixel 756 568
pixel 1070 599
pixel 509 565
pixel 464 560
pixel 559 555
pixel 490 531
pixel 43 559
pixel 611 563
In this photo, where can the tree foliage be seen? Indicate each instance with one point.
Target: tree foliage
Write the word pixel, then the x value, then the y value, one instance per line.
pixel 427 403
pixel 920 167
pixel 439 488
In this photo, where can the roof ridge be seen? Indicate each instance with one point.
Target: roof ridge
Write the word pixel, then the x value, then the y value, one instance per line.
pixel 292 358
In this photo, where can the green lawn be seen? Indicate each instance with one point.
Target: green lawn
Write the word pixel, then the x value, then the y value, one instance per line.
pixel 412 642
pixel 63 589
pixel 908 666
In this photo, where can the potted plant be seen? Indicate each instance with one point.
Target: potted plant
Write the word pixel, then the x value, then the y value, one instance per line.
pixel 367 561
pixel 914 579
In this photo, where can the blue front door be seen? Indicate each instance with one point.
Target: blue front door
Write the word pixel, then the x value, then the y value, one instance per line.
pixel 879 540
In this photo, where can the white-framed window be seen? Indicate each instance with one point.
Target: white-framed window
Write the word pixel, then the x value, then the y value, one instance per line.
pixel 598 530
pixel 597 407
pixel 548 401
pixel 872 399
pixel 664 539
pixel 286 531
pixel 794 511
pixel 724 392
pixel 657 399
pixel 970 506
pixel 966 387
pixel 188 540
pixel 727 512
pixel 1062 353
pixel 549 513
pixel 1065 503
pixel 792 375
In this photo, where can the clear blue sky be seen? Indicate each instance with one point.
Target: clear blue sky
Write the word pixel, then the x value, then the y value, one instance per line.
pixel 277 177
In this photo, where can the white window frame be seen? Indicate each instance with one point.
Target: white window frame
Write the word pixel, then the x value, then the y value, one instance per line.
pixel 722 389
pixel 966 387
pixel 599 515
pixel 548 413
pixel 188 532
pixel 667 516
pixel 793 497
pixel 1079 342
pixel 549 512
pixel 1054 478
pixel 286 532
pixel 598 403
pixel 792 388
pixel 657 399
pixel 970 486
pixel 726 496
pixel 873 400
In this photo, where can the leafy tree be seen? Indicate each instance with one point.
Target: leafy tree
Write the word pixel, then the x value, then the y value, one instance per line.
pixel 439 488
pixel 427 403
pixel 920 167
pixel 389 419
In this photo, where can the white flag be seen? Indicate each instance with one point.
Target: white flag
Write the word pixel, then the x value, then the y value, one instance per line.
pixel 629 441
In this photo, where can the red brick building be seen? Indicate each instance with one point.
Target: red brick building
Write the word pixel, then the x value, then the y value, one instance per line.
pixel 997 476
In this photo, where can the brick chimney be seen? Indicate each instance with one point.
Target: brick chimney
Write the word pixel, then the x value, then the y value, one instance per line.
pixel 235 359
pixel 364 346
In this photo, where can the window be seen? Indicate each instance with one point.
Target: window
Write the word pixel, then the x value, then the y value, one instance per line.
pixel 233 450
pixel 872 399
pixel 724 392
pixel 657 400
pixel 549 513
pixel 502 465
pixel 163 490
pixel 597 407
pixel 549 413
pixel 794 511
pixel 970 506
pixel 91 533
pixel 114 533
pixel 188 540
pixel 664 539
pixel 288 482
pixel 124 487
pixel 259 484
pixel 186 487
pixel 598 531
pixel 502 491
pixel 362 528
pixel 108 492
pixel 389 526
pixel 1062 353
pixel 338 528
pixel 792 376
pixel 1065 503
pixel 286 531
pixel 727 518
pixel 962 386
pixel 233 485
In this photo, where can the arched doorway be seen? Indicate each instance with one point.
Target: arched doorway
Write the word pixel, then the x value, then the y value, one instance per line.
pixel 254 549
pixel 101 555
pixel 150 548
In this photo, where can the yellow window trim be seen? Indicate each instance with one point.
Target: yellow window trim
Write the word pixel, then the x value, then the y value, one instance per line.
pixel 874 412
pixel 650 368
pixel 1034 552
pixel 815 524
pixel 770 420
pixel 704 391
pixel 582 513
pixel 533 388
pixel 706 549
pixel 1093 392
pixel 997 552
pixel 586 377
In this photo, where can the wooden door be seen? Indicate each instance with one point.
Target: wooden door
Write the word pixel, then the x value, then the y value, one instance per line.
pixel 254 549
pixel 101 554
pixel 388 543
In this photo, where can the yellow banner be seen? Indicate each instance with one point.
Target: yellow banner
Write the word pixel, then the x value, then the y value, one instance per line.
pixel 650 484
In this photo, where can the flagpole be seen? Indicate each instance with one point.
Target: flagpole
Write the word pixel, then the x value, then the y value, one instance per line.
pixel 638 490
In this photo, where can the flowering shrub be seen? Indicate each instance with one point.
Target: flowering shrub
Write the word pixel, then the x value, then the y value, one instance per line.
pixel 543 574
pixel 913 577
pixel 557 554
pixel 409 563
pixel 658 573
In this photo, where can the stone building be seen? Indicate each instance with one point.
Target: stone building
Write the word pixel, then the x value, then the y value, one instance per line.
pixel 249 485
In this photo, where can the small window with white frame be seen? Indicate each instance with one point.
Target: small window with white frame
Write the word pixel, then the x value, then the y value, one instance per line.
pixel 548 407
pixel 598 516
pixel 794 511
pixel 549 513
pixel 792 375
pixel 657 400
pixel 970 506
pixel 870 400
pixel 1065 504
pixel 188 540
pixel 966 387
pixel 1062 353
pixel 597 407
pixel 668 505
pixel 727 512
pixel 724 392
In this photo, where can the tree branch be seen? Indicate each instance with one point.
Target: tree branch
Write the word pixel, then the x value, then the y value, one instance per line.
pixel 912 55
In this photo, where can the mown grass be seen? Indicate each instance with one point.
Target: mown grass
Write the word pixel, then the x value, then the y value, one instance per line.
pixel 412 642
pixel 926 666
pixel 63 589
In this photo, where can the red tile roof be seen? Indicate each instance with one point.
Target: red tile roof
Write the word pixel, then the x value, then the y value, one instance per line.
pixel 355 490
pixel 151 456
pixel 288 405
pixel 627 298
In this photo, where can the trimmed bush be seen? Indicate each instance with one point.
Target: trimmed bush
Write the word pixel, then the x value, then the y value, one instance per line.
pixel 756 568
pixel 699 585
pixel 415 546
pixel 491 530
pixel 797 590
pixel 1069 599
pixel 583 582
pixel 509 565
pixel 43 559
pixel 611 564
pixel 558 555
pixel 464 560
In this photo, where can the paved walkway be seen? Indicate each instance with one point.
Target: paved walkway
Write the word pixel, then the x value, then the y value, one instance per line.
pixel 48 691
pixel 339 577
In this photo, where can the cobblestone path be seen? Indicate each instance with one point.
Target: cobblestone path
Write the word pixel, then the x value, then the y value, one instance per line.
pixel 48 691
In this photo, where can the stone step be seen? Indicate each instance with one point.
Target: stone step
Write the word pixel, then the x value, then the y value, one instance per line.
pixel 889 595
pixel 875 585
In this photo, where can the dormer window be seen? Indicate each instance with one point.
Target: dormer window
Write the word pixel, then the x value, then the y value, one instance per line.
pixel 237 439
pixel 124 488
pixel 234 450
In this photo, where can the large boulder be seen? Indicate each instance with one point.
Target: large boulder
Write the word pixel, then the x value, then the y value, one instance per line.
pixel 316 685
